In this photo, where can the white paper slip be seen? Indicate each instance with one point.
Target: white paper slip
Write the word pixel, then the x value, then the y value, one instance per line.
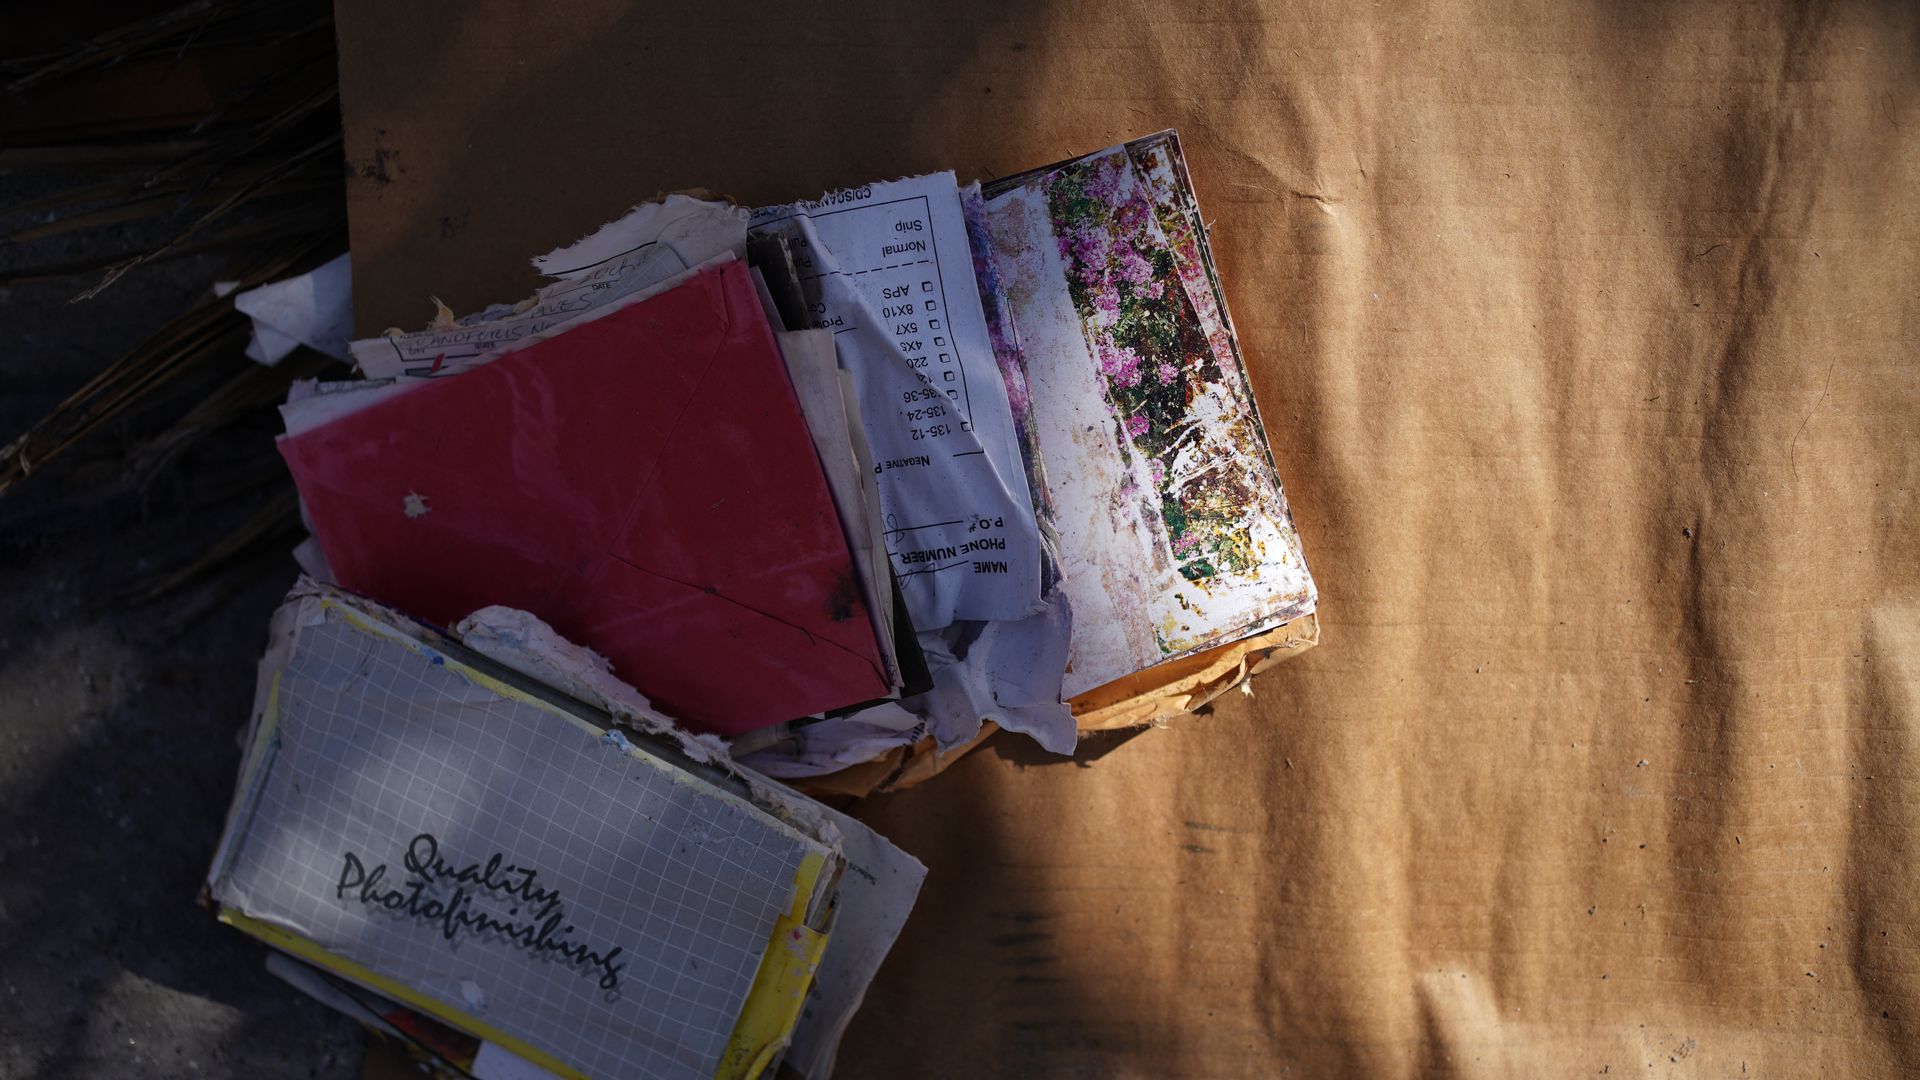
pixel 314 309
pixel 816 379
pixel 887 268
pixel 653 248
pixel 876 894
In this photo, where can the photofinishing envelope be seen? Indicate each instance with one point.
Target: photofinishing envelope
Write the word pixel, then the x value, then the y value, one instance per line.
pixel 425 823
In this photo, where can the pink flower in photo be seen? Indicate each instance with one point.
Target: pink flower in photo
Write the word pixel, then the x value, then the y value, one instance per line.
pixel 1132 267
pixel 1137 426
pixel 1121 366
pixel 1168 373
pixel 1089 248
pixel 1103 180
pixel 1186 543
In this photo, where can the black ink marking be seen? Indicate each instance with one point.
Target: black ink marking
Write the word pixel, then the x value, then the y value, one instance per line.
pixel 380 168
pixel 543 933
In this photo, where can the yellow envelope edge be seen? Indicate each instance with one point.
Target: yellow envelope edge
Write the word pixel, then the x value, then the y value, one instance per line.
pixel 780 986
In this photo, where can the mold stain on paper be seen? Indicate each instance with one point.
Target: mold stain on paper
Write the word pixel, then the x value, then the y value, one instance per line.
pixel 1006 349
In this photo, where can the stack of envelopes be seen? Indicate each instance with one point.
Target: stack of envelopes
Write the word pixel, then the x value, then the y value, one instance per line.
pixel 484 831
pixel 832 480
pixel 838 475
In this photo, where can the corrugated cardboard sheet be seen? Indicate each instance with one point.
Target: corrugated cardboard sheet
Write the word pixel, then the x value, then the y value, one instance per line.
pixel 1585 336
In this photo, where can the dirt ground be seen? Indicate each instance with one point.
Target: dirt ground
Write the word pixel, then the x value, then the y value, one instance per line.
pixel 120 717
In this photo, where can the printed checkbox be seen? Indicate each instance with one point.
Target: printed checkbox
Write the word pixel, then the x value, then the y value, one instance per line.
pixel 939 341
pixel 949 376
pixel 933 324
pixel 926 286
pixel 954 394
pixel 966 425
pixel 933 305
pixel 945 359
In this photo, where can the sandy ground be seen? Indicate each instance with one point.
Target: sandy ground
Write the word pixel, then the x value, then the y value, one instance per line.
pixel 120 719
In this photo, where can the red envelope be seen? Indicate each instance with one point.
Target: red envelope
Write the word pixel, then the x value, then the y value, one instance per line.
pixel 644 483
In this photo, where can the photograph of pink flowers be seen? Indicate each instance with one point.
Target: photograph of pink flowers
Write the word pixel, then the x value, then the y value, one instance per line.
pixel 1144 446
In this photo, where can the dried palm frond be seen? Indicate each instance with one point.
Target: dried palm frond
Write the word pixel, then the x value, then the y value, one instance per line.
pixel 211 334
pixel 277 228
pixel 277 520
pixel 250 171
pixel 128 41
pixel 263 184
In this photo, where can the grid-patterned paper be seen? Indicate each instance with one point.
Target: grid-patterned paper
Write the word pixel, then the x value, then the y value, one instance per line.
pixel 379 745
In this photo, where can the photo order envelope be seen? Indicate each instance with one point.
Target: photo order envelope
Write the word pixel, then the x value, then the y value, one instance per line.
pixel 644 482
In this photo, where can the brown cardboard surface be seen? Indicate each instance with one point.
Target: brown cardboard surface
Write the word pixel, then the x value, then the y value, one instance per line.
pixel 1585 337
